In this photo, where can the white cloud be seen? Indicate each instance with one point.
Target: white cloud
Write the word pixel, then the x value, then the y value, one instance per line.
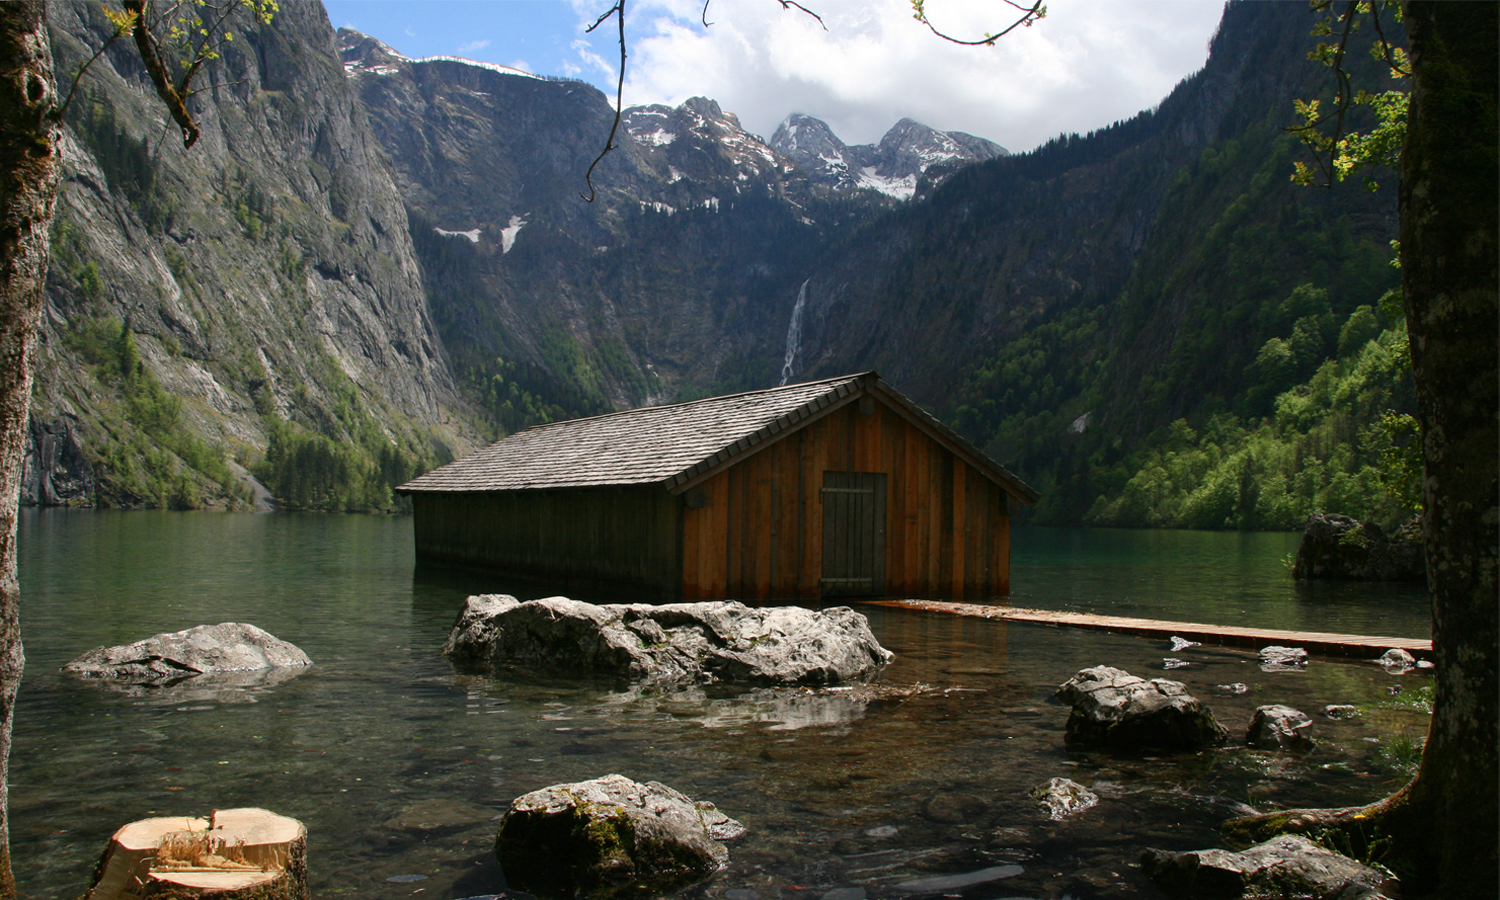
pixel 590 60
pixel 521 64
pixel 1084 66
pixel 473 46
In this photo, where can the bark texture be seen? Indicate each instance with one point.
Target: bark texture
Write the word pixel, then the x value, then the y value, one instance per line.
pixel 1448 252
pixel 28 190
pixel 1447 820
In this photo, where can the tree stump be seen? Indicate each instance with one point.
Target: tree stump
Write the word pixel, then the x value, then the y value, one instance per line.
pixel 237 854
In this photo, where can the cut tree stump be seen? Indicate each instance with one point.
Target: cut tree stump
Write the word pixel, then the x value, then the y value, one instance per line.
pixel 237 854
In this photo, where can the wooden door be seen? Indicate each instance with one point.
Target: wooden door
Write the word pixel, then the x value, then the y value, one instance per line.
pixel 853 534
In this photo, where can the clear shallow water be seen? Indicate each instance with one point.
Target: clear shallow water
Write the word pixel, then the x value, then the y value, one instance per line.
pixel 400 768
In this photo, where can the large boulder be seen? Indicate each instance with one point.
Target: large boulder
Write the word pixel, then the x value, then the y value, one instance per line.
pixel 675 642
pixel 611 837
pixel 204 650
pixel 1286 866
pixel 1342 548
pixel 1119 711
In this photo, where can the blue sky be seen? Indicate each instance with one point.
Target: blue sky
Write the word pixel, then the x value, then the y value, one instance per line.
pixel 1087 64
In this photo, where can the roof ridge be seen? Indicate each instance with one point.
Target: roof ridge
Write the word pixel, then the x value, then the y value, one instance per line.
pixel 684 403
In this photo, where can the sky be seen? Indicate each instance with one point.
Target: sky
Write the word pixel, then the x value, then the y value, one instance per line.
pixel 869 64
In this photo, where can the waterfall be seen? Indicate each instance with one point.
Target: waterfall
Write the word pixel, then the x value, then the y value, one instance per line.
pixel 794 334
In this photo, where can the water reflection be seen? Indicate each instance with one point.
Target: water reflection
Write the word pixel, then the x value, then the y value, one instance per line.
pixel 221 687
pixel 398 766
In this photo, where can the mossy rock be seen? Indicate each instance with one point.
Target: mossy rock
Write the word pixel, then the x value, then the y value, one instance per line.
pixel 611 838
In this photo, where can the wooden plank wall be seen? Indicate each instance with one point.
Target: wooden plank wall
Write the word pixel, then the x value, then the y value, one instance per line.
pixel 759 535
pixel 623 535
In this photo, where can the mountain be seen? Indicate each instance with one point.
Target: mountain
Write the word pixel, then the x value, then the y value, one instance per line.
pixel 1088 294
pixel 676 278
pixel 371 261
pixel 894 167
pixel 257 294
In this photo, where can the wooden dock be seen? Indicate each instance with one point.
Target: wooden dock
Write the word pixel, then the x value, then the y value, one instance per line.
pixel 1357 645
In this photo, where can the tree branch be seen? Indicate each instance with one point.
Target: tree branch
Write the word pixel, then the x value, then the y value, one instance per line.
pixel 1029 15
pixel 617 10
pixel 156 67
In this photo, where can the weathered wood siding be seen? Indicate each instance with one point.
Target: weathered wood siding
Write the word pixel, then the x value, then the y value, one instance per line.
pixel 759 532
pixel 623 535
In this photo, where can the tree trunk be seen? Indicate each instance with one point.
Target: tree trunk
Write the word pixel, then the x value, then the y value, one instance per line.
pixel 28 189
pixel 1445 822
pixel 1448 258
pixel 241 854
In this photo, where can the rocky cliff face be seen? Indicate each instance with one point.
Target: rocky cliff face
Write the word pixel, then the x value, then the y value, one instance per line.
pixel 199 300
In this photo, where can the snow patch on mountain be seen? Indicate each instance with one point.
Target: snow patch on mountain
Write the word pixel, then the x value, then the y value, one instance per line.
pixel 472 234
pixel 509 232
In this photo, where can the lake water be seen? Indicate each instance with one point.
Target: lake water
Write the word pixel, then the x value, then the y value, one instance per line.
pixel 400 768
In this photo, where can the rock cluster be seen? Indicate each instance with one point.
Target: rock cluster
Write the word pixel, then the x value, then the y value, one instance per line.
pixel 611 837
pixel 229 647
pixel 675 642
pixel 1117 710
pixel 1341 548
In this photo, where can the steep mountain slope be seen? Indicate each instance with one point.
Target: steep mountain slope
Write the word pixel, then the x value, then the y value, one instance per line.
pixel 258 292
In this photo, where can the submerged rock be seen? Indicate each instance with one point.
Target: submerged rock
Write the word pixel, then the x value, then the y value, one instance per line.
pixel 1062 797
pixel 1397 661
pixel 1340 711
pixel 611 837
pixel 1114 709
pixel 711 641
pixel 1282 659
pixel 1286 866
pixel 1279 727
pixel 204 650
pixel 1339 547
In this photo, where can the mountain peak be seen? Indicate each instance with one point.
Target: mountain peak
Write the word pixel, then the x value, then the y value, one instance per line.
pixel 892 167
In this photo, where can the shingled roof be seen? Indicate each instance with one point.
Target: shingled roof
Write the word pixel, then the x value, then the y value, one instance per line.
pixel 673 445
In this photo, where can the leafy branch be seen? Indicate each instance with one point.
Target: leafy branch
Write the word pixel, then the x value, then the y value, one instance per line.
pixel 1029 15
pixel 1337 154
pixel 193 33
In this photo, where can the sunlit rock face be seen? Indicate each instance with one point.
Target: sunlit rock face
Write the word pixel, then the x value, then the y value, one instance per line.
pixel 207 650
pixel 262 274
pixel 675 642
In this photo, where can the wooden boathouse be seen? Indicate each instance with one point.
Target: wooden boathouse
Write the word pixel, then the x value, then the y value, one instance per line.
pixel 834 487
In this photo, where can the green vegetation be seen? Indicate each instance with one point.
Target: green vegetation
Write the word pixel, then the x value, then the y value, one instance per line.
pixel 305 470
pixel 125 161
pixel 1400 754
pixel 152 456
pixel 1324 448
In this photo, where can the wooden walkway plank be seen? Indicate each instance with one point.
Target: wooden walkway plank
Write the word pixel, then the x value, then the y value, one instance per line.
pixel 1326 644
